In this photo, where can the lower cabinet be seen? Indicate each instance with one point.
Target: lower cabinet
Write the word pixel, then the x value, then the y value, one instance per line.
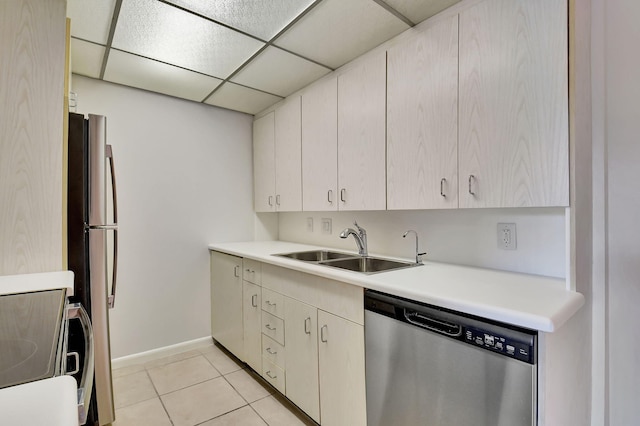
pixel 226 302
pixel 301 334
pixel 251 319
pixel 341 367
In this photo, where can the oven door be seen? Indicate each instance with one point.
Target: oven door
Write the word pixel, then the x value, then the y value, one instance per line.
pixel 79 356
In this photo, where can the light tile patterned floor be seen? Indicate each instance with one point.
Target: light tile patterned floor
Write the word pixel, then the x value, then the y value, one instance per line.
pixel 207 387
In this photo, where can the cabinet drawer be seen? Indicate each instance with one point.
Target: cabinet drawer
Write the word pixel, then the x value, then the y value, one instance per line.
pixel 273 374
pixel 273 351
pixel 273 327
pixel 252 271
pixel 273 303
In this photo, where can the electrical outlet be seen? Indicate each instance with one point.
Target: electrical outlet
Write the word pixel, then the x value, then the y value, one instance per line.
pixel 507 236
pixel 326 225
pixel 309 224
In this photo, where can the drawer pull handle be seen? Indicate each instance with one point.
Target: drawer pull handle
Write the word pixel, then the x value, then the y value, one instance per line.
pixel 254 300
pixel 323 330
pixel 268 373
pixel 271 352
pixel 268 327
pixel 268 302
pixel 307 325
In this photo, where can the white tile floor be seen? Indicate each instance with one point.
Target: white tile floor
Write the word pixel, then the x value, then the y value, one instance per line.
pixel 207 387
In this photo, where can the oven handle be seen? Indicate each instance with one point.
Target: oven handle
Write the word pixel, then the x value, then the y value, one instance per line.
pixel 77 311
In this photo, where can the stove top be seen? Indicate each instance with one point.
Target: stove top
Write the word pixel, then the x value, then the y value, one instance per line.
pixel 30 336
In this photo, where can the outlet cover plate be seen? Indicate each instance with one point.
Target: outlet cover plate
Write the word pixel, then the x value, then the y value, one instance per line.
pixel 326 225
pixel 507 236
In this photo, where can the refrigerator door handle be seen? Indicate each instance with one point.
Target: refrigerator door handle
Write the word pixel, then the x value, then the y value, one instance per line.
pixel 112 297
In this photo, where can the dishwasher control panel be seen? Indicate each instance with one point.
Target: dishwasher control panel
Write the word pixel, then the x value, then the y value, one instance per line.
pixel 504 345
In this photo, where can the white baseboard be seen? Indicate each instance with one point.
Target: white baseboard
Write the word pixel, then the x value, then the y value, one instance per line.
pixel 142 357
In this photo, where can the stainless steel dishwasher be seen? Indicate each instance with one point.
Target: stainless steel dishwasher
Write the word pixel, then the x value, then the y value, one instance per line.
pixel 430 366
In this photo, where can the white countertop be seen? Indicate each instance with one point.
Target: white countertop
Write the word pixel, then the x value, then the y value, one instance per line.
pixel 44 402
pixel 530 301
pixel 25 283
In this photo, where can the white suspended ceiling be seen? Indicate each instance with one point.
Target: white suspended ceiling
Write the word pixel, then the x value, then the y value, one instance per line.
pixel 243 55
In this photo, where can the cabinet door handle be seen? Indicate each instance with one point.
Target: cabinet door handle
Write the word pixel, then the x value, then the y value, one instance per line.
pixel 307 325
pixel 270 200
pixel 343 193
pixel 268 373
pixel 271 352
pixel 442 182
pixel 330 196
pixel 254 300
pixel 471 179
pixel 268 327
pixel 278 200
pixel 236 270
pixel 323 330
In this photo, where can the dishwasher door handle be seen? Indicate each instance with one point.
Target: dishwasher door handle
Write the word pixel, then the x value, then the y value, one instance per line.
pixel 433 324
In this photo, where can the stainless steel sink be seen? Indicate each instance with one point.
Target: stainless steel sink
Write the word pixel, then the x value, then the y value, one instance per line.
pixel 369 265
pixel 316 255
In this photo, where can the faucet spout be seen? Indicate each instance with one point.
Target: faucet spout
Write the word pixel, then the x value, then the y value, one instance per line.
pixel 418 254
pixel 360 236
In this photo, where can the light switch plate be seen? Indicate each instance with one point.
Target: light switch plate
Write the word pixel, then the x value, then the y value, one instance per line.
pixel 326 225
pixel 309 224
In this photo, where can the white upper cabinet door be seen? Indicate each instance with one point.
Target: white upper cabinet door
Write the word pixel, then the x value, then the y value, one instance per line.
pixel 288 156
pixel 320 146
pixel 513 140
pixel 422 120
pixel 264 166
pixel 361 136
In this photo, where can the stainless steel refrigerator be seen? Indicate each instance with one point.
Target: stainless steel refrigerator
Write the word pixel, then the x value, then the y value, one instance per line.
pixel 93 244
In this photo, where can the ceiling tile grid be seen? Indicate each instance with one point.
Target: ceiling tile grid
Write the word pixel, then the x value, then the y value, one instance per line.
pixel 336 31
pixel 279 72
pixel 243 55
pixel 262 19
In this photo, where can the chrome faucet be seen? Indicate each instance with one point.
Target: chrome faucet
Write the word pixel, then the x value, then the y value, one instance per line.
pixel 418 254
pixel 360 237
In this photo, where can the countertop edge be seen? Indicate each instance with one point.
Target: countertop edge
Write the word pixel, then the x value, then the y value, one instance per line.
pixel 25 283
pixel 560 304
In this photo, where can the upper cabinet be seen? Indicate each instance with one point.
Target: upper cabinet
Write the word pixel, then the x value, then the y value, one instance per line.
pixel 320 146
pixel 277 159
pixel 361 135
pixel 422 120
pixel 264 164
pixel 513 131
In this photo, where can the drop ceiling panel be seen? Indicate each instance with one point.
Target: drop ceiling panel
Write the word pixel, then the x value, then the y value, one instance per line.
pixel 163 32
pixel 131 70
pixel 262 19
pixel 279 72
pixel 419 10
pixel 86 58
pixel 240 98
pixel 336 31
pixel 91 19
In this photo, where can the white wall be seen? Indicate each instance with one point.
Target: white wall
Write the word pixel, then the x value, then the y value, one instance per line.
pixel 184 176
pixel 616 35
pixel 464 236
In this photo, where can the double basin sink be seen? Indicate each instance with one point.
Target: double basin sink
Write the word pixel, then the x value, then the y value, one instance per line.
pixel 349 262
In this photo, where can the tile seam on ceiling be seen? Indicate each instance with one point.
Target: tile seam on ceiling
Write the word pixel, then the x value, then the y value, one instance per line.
pixel 394 12
pixel 270 43
pixel 112 30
